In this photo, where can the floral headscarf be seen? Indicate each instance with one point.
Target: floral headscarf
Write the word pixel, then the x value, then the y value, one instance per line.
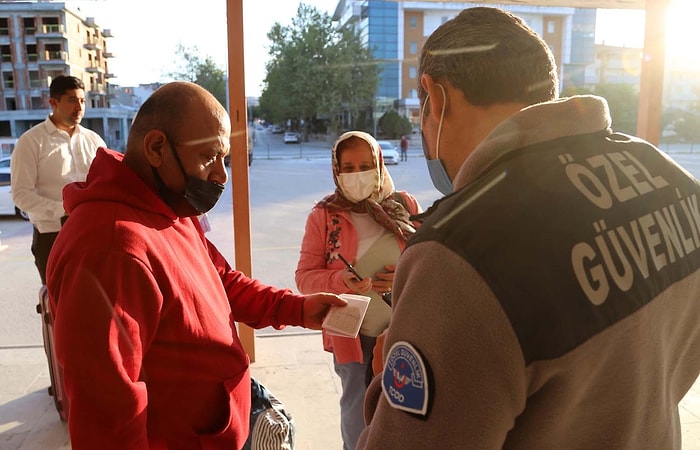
pixel 384 205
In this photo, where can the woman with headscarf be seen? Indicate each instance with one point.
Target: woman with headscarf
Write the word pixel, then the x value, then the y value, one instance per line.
pixel 367 222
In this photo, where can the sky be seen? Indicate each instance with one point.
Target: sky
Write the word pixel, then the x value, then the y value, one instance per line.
pixel 147 33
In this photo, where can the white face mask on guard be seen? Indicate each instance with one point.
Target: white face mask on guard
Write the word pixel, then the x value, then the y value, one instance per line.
pixel 357 186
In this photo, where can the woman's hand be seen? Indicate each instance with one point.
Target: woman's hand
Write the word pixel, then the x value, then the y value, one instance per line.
pixel 354 284
pixel 384 280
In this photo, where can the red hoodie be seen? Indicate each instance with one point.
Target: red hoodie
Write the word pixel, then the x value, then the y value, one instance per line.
pixel 145 309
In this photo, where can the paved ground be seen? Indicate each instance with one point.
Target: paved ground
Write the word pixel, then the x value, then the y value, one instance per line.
pixel 292 366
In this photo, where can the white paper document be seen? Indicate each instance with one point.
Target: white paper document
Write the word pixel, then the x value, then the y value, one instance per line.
pixel 346 320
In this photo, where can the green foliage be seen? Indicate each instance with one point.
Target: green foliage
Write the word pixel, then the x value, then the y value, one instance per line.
pixel 393 126
pixel 686 124
pixel 316 69
pixel 200 70
pixel 623 101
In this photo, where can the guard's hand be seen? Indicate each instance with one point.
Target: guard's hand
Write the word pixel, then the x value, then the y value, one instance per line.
pixel 358 286
pixel 378 354
pixel 316 307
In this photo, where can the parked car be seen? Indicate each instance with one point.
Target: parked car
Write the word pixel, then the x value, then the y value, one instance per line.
pixel 276 129
pixel 389 152
pixel 5 163
pixel 7 206
pixel 290 137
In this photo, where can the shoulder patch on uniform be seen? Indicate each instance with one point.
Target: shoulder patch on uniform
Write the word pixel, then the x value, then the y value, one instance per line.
pixel 404 382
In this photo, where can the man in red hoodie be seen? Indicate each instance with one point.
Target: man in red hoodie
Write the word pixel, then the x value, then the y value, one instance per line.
pixel 145 304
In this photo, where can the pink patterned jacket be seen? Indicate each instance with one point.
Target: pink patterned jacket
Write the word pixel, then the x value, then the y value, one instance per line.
pixel 320 270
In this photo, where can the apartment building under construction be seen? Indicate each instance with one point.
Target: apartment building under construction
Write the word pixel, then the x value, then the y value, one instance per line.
pixel 40 40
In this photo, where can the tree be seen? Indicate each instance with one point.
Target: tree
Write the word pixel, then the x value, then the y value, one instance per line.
pixel 316 69
pixel 623 100
pixel 393 125
pixel 202 71
pixel 685 121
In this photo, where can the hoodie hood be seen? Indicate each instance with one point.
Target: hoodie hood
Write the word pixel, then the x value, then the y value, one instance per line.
pixel 110 180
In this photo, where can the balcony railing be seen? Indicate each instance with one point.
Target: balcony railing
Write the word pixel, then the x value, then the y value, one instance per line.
pixel 52 29
pixel 94 68
pixel 55 55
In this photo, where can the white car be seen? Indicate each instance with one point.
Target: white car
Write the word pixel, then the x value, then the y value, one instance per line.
pixel 291 137
pixel 389 152
pixel 7 206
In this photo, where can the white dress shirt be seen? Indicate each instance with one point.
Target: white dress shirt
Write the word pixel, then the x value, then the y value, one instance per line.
pixel 44 160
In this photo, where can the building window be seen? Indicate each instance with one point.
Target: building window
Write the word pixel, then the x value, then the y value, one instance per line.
pixel 10 104
pixel 37 103
pixel 51 25
pixel 5 53
pixel 550 26
pixel 4 26
pixel 29 26
pixel 413 93
pixel 34 81
pixel 412 72
pixel 32 55
pixel 8 80
pixel 413 21
pixel 54 51
pixel 413 47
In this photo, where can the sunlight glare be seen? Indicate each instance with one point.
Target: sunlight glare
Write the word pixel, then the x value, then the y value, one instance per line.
pixel 683 34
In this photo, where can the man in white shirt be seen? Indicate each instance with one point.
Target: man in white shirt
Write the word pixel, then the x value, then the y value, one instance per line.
pixel 46 158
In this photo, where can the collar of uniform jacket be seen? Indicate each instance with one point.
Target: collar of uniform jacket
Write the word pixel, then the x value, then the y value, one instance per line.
pixel 581 114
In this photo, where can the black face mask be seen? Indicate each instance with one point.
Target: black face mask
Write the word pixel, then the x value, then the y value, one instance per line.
pixel 200 194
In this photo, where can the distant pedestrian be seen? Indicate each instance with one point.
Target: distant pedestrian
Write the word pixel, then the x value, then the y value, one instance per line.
pixel 404 148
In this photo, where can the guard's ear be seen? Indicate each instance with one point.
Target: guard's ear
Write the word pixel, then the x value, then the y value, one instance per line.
pixel 153 143
pixel 436 96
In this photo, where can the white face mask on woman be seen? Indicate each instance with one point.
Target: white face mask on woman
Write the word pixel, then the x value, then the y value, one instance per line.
pixel 357 186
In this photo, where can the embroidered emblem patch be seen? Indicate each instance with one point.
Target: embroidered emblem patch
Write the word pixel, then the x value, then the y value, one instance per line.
pixel 404 381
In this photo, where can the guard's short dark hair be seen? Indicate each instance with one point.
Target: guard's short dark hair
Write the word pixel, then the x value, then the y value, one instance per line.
pixel 63 83
pixel 491 56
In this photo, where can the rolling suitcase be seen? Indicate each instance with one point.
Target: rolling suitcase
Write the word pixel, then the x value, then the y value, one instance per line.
pixel 56 389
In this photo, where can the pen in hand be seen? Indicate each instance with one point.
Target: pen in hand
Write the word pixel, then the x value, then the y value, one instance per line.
pixel 386 296
pixel 350 267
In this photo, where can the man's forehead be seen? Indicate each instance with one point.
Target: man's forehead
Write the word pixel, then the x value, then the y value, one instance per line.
pixel 204 140
pixel 74 93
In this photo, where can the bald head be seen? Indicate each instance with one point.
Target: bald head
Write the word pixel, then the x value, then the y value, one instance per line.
pixel 170 109
pixel 184 116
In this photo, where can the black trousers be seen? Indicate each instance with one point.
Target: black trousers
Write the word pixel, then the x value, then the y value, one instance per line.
pixel 41 246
